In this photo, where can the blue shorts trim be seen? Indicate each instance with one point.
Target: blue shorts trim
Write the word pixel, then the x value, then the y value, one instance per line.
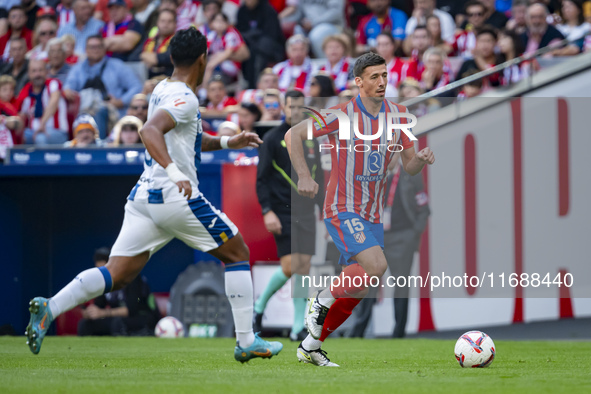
pixel 155 196
pixel 213 223
pixel 352 235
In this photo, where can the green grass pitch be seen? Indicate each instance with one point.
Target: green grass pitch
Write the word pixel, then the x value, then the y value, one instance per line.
pixel 152 365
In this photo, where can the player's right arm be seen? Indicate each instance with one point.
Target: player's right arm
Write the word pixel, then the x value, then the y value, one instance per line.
pixel 307 187
pixel 160 123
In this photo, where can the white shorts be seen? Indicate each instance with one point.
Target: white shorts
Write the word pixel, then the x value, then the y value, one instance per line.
pixel 148 227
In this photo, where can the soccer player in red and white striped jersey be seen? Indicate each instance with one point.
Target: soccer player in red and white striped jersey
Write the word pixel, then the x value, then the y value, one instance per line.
pixel 354 196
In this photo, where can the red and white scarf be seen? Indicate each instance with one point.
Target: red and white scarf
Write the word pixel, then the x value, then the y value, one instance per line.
pixel 339 73
pixel 285 71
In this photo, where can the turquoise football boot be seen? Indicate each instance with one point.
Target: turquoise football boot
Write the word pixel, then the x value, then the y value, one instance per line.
pixel 259 348
pixel 41 319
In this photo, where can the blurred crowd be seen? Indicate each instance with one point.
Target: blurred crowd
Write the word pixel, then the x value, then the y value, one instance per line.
pixel 80 72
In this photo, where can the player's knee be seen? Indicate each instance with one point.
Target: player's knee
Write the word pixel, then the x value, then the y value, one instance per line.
pixel 239 253
pixel 286 270
pixel 286 265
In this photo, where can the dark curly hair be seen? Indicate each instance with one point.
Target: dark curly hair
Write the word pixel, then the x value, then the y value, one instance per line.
pixel 187 46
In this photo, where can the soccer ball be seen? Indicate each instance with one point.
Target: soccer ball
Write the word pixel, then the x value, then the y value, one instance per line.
pixel 475 349
pixel 169 327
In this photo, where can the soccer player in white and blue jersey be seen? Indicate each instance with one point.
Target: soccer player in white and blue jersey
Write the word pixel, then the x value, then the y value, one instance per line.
pixel 166 203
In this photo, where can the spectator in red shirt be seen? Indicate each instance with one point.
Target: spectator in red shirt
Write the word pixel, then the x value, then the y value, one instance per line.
pixel 226 49
pixel 337 64
pixel 17 20
pixel 420 41
pixel 123 33
pixel 267 80
pixel 465 40
pixel 434 77
pixel 10 132
pixel 217 99
pixel 44 108
pixel 295 72
pixel 397 68
pixel 484 54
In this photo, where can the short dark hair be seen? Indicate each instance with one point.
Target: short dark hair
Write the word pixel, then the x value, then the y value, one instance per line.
pixel 102 254
pixel 487 29
pixel 294 94
pixel 422 27
pixel 208 2
pixel 17 8
pixel 224 16
pixel 367 60
pixel 253 109
pixel 216 78
pixel 187 46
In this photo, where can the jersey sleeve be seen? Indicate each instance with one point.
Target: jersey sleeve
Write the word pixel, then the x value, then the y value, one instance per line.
pixel 320 129
pixel 233 39
pixel 182 107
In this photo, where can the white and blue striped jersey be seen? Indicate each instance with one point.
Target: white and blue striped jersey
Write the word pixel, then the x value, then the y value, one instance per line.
pixel 183 143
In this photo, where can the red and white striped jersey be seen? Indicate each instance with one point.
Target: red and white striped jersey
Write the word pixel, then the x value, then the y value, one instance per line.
pixel 216 43
pixel 28 105
pixel 397 72
pixel 359 167
pixel 64 15
pixel 464 43
pixel 292 76
pixel 339 73
pixel 186 13
pixel 251 96
pixel 416 67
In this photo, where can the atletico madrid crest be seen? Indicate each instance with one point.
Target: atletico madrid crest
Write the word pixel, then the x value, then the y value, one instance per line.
pixel 359 237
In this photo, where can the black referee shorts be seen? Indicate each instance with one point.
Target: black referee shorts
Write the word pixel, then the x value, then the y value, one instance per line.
pixel 298 235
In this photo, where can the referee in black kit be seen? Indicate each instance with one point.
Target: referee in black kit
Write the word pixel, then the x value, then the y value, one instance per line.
pixel 287 215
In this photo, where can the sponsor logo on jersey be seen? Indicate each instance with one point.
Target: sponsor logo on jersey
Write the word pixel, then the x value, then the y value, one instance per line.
pixel 375 162
pixel 369 178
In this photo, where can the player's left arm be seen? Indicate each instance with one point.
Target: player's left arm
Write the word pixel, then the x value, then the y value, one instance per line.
pixel 414 162
pixel 238 141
